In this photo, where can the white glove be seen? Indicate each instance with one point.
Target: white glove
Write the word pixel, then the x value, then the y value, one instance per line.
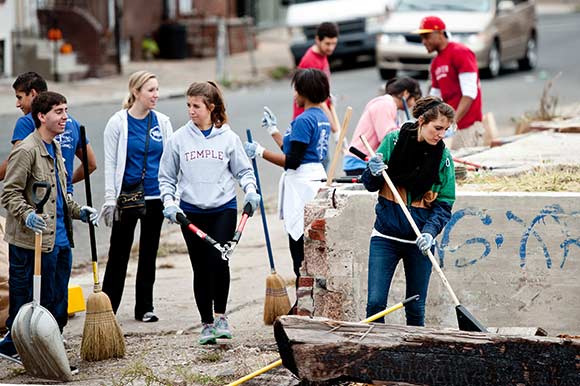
pixel 376 165
pixel 108 213
pixel 336 136
pixel 89 214
pixel 253 149
pixel 35 222
pixel 424 242
pixel 269 121
pixel 170 212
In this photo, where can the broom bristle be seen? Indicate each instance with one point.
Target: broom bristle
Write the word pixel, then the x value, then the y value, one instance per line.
pixel 277 302
pixel 102 335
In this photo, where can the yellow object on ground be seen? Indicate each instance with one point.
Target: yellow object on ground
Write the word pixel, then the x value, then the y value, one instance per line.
pixel 76 300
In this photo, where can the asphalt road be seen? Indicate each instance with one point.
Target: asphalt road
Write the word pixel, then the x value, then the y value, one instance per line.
pixel 508 96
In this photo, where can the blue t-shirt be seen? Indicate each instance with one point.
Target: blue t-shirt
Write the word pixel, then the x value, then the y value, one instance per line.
pixel 310 127
pixel 70 142
pixel 136 153
pixel 61 237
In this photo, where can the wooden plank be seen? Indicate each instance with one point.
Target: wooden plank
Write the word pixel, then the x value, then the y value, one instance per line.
pixel 321 350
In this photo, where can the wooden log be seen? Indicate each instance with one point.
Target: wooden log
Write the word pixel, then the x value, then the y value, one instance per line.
pixel 322 350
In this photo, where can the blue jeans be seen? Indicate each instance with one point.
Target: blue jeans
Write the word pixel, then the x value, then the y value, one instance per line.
pixel 384 256
pixel 55 271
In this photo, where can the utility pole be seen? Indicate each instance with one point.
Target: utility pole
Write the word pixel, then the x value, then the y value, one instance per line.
pixel 117 32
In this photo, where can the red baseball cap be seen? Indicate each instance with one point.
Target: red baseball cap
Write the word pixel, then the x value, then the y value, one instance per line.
pixel 430 24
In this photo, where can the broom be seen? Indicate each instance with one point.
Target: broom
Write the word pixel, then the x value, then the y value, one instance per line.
pixel 277 302
pixel 102 335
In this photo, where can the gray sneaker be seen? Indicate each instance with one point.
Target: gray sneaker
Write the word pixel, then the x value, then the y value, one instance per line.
pixel 222 328
pixel 207 335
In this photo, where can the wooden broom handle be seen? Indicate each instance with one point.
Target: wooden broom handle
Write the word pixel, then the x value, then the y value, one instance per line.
pixel 37 253
pixel 338 148
pixel 412 222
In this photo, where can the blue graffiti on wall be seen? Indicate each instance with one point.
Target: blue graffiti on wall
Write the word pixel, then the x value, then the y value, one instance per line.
pixel 553 212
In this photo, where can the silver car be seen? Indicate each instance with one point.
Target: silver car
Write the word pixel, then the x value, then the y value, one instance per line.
pixel 497 31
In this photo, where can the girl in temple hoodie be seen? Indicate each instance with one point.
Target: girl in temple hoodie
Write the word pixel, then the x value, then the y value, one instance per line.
pixel 202 164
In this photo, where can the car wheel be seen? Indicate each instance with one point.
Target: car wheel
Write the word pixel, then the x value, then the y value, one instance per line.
pixel 387 74
pixel 530 59
pixel 493 62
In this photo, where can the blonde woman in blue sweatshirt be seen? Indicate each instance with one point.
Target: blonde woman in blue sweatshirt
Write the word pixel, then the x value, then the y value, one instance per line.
pixel 204 161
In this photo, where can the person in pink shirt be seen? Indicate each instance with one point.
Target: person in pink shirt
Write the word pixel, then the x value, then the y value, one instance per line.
pixel 380 117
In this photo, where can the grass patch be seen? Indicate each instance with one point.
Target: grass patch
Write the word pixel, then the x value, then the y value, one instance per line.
pixel 191 377
pixel 280 72
pixel 211 357
pixel 140 373
pixel 556 179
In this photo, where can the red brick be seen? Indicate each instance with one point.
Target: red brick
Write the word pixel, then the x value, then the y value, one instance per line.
pixel 306 281
pixel 316 235
pixel 319 224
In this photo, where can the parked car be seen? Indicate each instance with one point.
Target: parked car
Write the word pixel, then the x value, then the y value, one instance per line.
pixel 358 21
pixel 498 31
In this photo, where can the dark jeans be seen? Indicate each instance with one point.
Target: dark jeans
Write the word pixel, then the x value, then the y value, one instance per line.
pixel 211 274
pixel 120 249
pixel 384 256
pixel 55 271
pixel 297 253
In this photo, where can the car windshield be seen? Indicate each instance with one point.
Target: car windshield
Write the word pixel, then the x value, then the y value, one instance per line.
pixel 444 5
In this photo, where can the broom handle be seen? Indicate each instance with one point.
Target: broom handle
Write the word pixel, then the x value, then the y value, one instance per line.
pixel 412 223
pixel 367 320
pixel 89 196
pixel 262 210
pixel 338 149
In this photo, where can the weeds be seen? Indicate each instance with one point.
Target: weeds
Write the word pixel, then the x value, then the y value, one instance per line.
pixel 211 357
pixel 545 112
pixel 279 73
pixel 137 371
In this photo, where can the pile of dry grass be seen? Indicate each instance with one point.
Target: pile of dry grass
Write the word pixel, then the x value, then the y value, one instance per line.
pixel 557 179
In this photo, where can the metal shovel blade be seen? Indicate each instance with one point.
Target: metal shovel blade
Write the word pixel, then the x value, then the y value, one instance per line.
pixel 466 321
pixel 38 341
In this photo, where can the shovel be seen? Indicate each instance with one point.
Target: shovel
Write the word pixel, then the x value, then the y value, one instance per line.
pixel 465 320
pixel 35 331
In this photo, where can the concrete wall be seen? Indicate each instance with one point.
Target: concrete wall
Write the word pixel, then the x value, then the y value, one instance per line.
pixel 513 259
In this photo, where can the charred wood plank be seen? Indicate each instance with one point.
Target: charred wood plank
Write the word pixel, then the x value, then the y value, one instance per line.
pixel 320 350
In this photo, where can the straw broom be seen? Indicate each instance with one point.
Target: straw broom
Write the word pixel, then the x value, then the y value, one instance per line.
pixel 102 335
pixel 276 302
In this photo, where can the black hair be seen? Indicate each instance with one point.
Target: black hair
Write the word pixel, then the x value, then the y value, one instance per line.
pixel 327 30
pixel 43 103
pixel 29 81
pixel 396 86
pixel 311 84
pixel 431 107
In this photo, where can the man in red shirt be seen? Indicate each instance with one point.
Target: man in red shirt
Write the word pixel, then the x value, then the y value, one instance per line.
pixel 455 79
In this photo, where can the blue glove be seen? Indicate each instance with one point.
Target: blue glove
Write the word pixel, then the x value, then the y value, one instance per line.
pixel 170 212
pixel 424 242
pixel 269 121
pixel 253 198
pixel 89 214
pixel 35 222
pixel 377 165
pixel 253 149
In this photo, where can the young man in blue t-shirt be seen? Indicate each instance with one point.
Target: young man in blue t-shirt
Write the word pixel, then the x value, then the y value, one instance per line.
pixel 26 87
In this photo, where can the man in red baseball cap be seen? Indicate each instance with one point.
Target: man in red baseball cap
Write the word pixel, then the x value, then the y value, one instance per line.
pixel 455 79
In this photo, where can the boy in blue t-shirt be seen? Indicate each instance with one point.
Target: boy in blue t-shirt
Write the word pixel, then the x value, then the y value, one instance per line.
pixel 26 87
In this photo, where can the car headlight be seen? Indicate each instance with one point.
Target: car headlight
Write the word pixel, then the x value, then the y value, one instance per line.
pixel 297 35
pixel 374 24
pixel 391 38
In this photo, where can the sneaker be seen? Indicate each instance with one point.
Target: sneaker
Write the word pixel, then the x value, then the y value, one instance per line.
pixel 222 328
pixel 74 370
pixel 207 335
pixel 8 350
pixel 148 317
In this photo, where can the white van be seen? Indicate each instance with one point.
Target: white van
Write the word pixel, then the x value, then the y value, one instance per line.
pixel 358 21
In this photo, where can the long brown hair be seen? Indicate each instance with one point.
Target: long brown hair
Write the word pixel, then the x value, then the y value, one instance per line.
pixel 211 94
pixel 136 81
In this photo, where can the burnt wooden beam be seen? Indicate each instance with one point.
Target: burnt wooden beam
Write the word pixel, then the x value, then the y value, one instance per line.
pixel 321 350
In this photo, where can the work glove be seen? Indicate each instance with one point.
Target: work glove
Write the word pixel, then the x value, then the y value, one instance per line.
pixel 424 242
pixel 35 222
pixel 253 199
pixel 89 214
pixel 108 213
pixel 253 149
pixel 269 121
pixel 376 165
pixel 170 212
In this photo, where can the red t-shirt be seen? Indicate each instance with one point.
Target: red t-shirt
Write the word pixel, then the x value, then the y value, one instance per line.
pixel 312 59
pixel 445 69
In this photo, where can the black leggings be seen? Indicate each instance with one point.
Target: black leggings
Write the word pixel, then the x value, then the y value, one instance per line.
pixel 297 253
pixel 120 248
pixel 211 274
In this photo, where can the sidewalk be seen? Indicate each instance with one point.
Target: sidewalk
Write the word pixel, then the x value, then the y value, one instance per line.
pixel 174 75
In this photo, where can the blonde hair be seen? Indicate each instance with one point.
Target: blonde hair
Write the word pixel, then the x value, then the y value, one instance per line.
pixel 211 94
pixel 136 81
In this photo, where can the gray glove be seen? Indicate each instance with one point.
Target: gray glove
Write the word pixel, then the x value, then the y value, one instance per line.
pixel 269 121
pixel 89 214
pixel 35 222
pixel 377 165
pixel 108 214
pixel 170 212
pixel 424 242
pixel 253 198
pixel 253 149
